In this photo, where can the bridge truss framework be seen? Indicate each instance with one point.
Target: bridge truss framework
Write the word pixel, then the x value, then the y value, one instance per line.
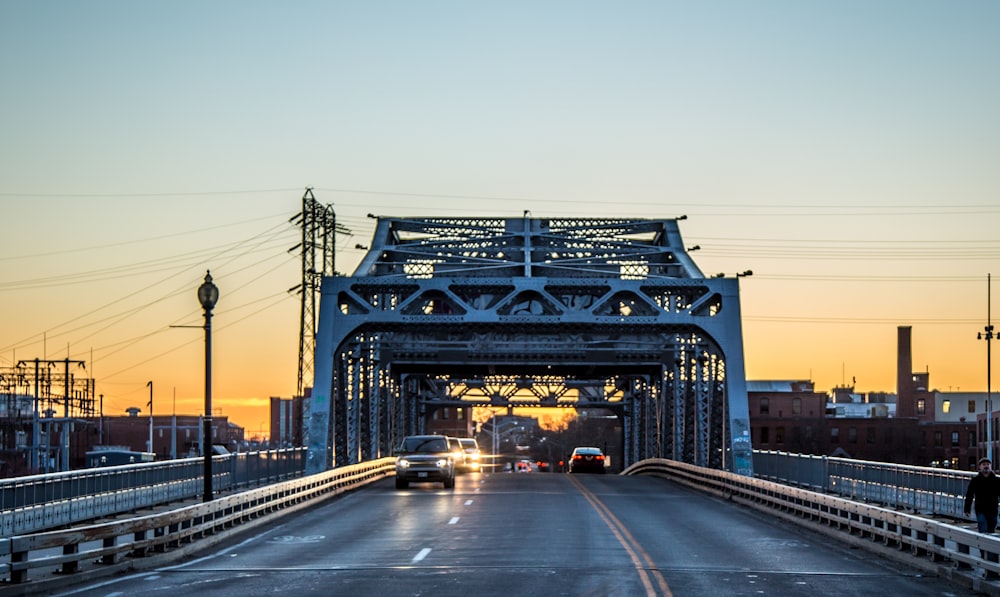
pixel 609 313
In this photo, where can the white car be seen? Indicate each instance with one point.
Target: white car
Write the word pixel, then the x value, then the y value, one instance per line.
pixel 470 449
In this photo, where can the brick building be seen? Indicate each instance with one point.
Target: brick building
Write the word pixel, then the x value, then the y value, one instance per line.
pixel 174 436
pixel 286 421
pixel 450 420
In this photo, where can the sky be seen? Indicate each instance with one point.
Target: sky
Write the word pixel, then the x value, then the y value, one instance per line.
pixel 845 152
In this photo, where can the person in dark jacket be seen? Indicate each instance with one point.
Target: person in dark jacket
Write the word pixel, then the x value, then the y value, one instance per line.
pixel 984 489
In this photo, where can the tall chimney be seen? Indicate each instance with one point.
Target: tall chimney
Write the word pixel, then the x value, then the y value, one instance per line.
pixel 904 373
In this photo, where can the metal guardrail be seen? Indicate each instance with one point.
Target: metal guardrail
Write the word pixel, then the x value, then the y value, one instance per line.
pixel 121 545
pixel 931 545
pixel 39 502
pixel 925 490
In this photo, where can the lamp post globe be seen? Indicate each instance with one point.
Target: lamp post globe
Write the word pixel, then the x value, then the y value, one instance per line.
pixel 208 295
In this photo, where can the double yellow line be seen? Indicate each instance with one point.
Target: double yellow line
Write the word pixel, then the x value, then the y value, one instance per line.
pixel 649 575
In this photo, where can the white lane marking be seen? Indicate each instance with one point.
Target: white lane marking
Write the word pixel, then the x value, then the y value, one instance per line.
pixel 468 502
pixel 423 554
pixel 453 520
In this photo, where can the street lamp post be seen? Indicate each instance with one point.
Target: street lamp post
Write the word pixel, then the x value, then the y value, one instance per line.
pixel 988 336
pixel 208 295
pixel 150 447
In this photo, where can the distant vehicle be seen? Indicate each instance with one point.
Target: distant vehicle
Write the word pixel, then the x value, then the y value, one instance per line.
pixel 457 453
pixel 471 454
pixel 425 459
pixel 587 460
pixel 524 466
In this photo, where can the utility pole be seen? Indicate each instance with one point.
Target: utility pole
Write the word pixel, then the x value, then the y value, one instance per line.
pixel 318 247
pixel 36 460
pixel 149 448
pixel 988 336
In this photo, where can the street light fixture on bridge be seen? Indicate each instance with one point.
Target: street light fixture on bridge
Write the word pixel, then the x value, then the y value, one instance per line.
pixel 208 295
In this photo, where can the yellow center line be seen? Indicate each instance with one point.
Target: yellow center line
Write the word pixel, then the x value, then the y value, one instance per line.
pixel 641 560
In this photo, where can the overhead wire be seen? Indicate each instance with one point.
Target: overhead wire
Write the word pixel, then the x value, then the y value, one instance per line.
pixel 279 299
pixel 199 256
pixel 251 245
pixel 140 240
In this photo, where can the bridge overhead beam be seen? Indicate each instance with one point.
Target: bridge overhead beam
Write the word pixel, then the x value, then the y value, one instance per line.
pixel 614 306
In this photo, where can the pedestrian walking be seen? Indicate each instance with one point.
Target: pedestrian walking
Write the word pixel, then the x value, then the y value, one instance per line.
pixel 984 490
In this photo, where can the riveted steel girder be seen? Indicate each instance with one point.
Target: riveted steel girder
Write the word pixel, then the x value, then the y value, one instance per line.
pixel 528 311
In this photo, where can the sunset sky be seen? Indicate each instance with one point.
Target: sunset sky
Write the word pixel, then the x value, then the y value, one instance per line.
pixel 848 153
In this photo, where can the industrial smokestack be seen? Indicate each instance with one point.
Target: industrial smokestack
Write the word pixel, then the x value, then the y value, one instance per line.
pixel 904 373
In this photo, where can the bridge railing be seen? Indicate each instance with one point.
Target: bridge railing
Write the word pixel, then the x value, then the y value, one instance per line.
pixel 126 544
pixel 38 502
pixel 934 546
pixel 924 490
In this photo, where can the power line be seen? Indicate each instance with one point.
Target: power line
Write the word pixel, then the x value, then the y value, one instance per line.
pixel 76 250
pixel 160 194
pixel 859 320
pixel 200 258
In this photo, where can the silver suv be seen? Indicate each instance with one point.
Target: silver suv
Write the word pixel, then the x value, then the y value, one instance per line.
pixel 425 459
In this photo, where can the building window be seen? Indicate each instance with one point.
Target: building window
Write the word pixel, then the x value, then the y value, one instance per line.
pixel 765 435
pixel 972 439
pixel 954 439
pixel 938 442
pixel 852 435
pixel 835 435
pixel 765 406
pixel 871 435
pixel 946 406
pixel 796 406
pixel 921 406
pixel 779 435
pixel 972 406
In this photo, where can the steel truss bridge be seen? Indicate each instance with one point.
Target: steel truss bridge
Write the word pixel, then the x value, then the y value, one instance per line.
pixel 577 313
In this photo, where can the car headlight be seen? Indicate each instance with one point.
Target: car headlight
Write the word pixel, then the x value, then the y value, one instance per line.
pixel 443 463
pixel 403 463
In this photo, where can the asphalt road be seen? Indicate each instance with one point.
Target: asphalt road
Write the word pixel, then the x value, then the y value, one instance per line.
pixel 527 534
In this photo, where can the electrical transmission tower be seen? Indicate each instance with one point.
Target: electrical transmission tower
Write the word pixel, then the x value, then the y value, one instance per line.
pixel 319 229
